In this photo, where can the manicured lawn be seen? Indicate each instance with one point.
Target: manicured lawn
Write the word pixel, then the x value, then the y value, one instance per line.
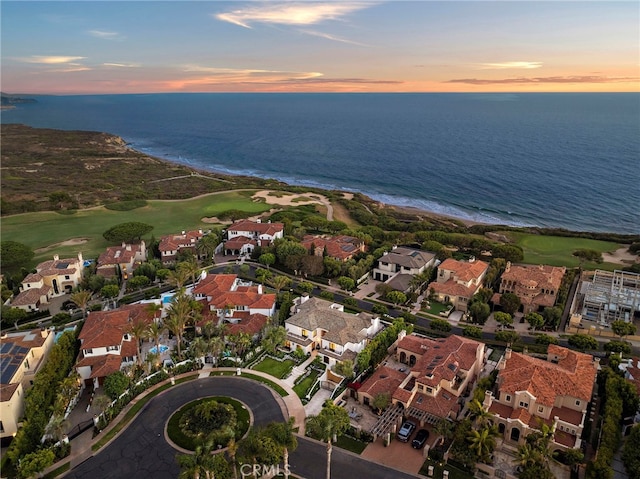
pixel 351 444
pixel 279 369
pixel 558 251
pixel 277 388
pixel 39 230
pixel 436 307
pixel 303 386
pixel 187 442
pixel 454 472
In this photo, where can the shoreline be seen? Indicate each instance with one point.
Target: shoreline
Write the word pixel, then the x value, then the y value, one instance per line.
pixel 403 209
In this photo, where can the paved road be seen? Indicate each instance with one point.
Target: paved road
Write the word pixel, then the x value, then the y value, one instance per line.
pixel 141 451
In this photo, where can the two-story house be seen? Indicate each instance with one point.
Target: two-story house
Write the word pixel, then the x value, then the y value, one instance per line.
pixel 106 344
pixel 398 266
pixel 326 327
pixel 227 299
pixel 535 285
pixel 531 391
pixel 244 235
pixel 457 281
pixel 170 245
pixel 22 354
pixel 52 278
pixel 340 247
pixel 440 372
pixel 120 261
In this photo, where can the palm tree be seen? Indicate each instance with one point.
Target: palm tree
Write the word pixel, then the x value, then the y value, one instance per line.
pixel 81 300
pixel 232 450
pixel 243 341
pixel 483 442
pixel 199 464
pixel 154 309
pixel 207 245
pixel 178 277
pixel 191 268
pixel 216 346
pixel 445 429
pixel 181 312
pixel 327 425
pixel 154 332
pixel 199 347
pixel 138 330
pixel 280 282
pixel 283 434
pixel 481 417
pixel 57 427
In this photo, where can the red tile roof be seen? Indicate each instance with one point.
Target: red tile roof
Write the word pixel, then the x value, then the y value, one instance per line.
pixel 251 325
pixel 101 366
pixel 187 239
pixel 118 254
pixel 30 296
pixel 464 270
pixel 573 376
pixel 441 405
pixel 452 288
pixel 238 242
pixel 106 328
pixel 384 379
pixel 219 291
pixel 260 228
pixel 340 247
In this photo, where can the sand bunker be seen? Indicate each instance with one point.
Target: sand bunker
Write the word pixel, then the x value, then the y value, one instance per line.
pixel 69 242
pixel 620 256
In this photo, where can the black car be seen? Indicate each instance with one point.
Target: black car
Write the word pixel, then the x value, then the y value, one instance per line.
pixel 420 439
pixel 405 431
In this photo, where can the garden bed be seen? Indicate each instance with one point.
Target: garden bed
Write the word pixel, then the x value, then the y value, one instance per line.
pixel 278 369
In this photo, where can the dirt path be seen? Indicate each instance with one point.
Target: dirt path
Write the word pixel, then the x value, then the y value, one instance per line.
pixel 293 199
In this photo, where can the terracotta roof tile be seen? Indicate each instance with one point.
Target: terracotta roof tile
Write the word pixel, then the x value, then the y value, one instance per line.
pixel 30 296
pixel 261 228
pixel 464 270
pixel 384 379
pixel 573 376
pixel 188 239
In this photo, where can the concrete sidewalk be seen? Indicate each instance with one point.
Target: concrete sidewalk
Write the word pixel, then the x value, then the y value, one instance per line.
pixel 82 445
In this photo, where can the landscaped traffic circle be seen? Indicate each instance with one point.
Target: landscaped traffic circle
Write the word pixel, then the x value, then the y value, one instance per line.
pixel 216 419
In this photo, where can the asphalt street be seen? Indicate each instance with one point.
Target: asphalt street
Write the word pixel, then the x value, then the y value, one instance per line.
pixel 142 452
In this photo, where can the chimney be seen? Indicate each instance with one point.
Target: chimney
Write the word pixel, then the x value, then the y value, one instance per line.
pixel 258 221
pixel 81 259
pixel 508 267
pixel 183 232
pixel 472 259
pixel 304 298
pixel 507 353
pixel 200 232
pixel 56 257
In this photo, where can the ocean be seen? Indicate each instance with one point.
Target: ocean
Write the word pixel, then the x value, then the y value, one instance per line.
pixel 534 159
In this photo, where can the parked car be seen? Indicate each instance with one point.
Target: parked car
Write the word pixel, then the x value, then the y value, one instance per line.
pixel 404 434
pixel 420 440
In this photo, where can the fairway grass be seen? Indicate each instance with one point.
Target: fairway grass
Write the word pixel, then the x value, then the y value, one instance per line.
pixel 43 229
pixel 558 251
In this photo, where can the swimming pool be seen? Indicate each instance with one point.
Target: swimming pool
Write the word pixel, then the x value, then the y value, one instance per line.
pixel 163 349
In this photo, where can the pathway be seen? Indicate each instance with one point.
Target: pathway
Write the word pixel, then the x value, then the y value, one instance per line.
pixel 299 370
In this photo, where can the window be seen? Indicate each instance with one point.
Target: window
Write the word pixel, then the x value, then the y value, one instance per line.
pixel 304 333
pixel 66 276
pixel 540 409
pixel 332 347
pixel 26 364
pixel 507 398
pixel 88 351
pixel 429 390
pixel 420 387
pixel 366 401
pixel 524 404
pixel 112 348
pixel 1 427
pixel 578 402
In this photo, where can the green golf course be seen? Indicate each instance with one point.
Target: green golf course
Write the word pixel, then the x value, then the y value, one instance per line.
pixel 43 229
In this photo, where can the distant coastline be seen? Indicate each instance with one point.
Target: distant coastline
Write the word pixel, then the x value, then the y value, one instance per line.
pixel 471 157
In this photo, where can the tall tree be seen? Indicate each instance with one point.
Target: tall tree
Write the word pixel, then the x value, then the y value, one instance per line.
pixel 81 300
pixel 280 282
pixel 326 426
pixel 274 338
pixel 482 442
pixel 180 313
pixel 127 232
pixel 13 256
pixel 206 247
pixel 138 329
pixel 178 278
pixel 283 434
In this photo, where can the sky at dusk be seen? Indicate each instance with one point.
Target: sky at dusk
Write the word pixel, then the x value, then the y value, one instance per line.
pixel 87 47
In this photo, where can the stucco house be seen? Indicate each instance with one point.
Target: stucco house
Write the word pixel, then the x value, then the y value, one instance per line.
pixel 398 266
pixel 535 285
pixel 244 235
pixel 340 247
pixel 457 281
pixel 22 354
pixel 120 261
pixel 105 343
pixel 52 278
pixel 326 327
pixel 440 373
pixel 531 391
pixel 170 245
pixel 245 307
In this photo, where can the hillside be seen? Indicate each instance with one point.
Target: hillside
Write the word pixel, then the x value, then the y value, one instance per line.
pixel 92 169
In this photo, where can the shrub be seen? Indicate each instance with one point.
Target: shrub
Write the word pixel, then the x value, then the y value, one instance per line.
pixel 126 205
